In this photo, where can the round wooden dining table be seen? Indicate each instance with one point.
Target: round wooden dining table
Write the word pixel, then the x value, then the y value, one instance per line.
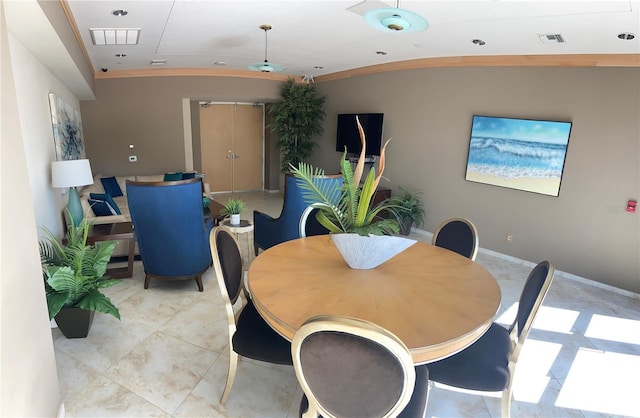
pixel 435 300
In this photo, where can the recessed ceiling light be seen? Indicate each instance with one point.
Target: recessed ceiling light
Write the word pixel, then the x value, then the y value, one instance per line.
pixel 318 67
pixel 158 62
pixel 119 12
pixel 479 42
pixel 626 36
pixel 219 63
pixel 381 53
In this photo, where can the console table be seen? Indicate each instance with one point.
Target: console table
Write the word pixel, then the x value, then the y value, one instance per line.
pixel 120 231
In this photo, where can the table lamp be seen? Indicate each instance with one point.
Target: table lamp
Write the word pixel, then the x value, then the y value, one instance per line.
pixel 72 173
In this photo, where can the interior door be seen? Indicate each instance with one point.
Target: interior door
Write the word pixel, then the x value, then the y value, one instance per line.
pixel 231 137
pixel 247 147
pixel 216 143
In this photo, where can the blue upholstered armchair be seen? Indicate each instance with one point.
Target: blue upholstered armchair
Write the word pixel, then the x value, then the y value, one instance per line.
pixel 269 231
pixel 169 225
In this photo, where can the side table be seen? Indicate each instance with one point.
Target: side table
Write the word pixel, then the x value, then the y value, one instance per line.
pixel 120 231
pixel 244 228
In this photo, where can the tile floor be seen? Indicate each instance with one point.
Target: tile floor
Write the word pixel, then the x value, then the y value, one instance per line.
pixel 167 357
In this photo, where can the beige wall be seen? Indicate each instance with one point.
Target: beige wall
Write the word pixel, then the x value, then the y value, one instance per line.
pixel 147 112
pixel 28 377
pixel 584 231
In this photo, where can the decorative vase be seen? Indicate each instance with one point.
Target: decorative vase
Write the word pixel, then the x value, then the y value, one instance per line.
pixel 235 219
pixel 367 252
pixel 74 322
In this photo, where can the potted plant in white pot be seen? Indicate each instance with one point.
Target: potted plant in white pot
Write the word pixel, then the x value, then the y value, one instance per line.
pixel 233 208
pixel 362 237
pixel 73 275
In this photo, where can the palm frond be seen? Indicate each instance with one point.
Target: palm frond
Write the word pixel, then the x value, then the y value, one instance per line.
pixel 75 270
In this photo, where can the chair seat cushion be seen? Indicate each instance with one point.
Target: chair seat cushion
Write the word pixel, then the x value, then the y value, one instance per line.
pixel 415 408
pixel 254 338
pixel 482 366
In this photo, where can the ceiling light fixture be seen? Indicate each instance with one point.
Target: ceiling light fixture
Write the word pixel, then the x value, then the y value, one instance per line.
pixel 120 12
pixel 266 66
pixel 479 42
pixel 391 19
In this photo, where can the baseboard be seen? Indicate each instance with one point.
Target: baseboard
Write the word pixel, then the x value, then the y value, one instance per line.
pixel 559 274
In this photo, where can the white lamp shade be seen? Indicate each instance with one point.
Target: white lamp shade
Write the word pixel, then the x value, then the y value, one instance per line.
pixel 71 173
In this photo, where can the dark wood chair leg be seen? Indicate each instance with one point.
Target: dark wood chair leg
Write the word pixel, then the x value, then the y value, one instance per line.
pixel 147 279
pixel 199 283
pixel 256 248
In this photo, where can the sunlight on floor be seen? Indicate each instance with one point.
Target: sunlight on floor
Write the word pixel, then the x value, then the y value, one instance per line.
pixel 614 329
pixel 533 369
pixel 602 381
pixel 555 319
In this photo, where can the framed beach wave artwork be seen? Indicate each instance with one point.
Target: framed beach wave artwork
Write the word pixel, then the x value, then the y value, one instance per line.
pixel 522 154
pixel 67 129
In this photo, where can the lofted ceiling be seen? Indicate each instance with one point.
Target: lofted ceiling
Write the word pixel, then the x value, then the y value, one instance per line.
pixel 317 38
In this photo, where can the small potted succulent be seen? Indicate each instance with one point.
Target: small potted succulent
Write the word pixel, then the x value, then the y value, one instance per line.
pixel 233 208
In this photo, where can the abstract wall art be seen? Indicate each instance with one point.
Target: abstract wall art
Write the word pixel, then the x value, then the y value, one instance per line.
pixel 521 154
pixel 67 129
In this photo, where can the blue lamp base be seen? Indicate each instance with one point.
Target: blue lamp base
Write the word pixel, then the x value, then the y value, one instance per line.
pixel 75 207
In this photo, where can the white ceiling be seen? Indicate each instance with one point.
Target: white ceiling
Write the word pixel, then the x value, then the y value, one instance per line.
pixel 333 35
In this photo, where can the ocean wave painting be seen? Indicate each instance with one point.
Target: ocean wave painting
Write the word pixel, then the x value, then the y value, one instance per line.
pixel 518 153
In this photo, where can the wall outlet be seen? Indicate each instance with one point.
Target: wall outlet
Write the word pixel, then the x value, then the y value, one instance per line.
pixel 509 238
pixel 133 158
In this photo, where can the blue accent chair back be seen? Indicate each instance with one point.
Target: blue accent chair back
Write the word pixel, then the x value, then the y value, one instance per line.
pixel 172 235
pixel 270 231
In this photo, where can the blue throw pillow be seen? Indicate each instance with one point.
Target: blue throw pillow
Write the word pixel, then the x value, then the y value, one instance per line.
pixel 111 186
pixel 101 207
pixel 187 176
pixel 106 197
pixel 173 176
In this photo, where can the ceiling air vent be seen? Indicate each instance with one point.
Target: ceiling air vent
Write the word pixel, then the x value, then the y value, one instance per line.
pixel 551 38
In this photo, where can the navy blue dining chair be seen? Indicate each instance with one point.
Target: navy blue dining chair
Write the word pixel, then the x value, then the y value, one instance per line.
pixel 489 363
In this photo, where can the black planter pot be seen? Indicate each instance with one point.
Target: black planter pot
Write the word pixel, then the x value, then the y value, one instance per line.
pixel 74 322
pixel 405 226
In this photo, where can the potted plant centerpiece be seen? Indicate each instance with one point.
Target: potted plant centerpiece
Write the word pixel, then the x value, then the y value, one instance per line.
pixel 408 209
pixel 360 234
pixel 73 275
pixel 233 208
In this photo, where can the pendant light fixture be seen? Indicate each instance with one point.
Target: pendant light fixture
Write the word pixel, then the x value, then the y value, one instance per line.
pixel 390 19
pixel 266 66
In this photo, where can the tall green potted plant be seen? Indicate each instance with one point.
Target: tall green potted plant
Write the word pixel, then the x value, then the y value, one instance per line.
pixel 73 274
pixel 297 119
pixel 359 233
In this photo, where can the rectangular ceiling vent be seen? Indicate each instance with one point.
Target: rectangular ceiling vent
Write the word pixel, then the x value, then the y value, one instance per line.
pixel 115 36
pixel 552 38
